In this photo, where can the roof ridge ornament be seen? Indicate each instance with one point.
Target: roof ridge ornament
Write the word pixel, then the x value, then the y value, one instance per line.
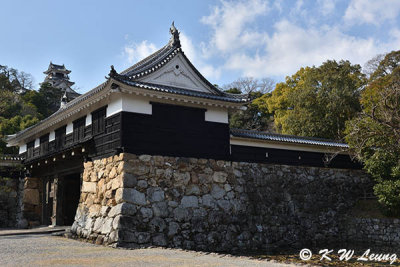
pixel 174 41
pixel 113 72
pixel 64 100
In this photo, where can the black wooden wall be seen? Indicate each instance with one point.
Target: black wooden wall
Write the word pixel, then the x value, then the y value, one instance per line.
pixel 175 131
pixel 291 157
pixel 170 131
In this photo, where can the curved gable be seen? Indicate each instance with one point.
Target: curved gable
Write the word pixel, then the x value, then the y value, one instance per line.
pixel 178 73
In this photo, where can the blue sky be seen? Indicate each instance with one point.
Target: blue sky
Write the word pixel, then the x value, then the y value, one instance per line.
pixel 224 39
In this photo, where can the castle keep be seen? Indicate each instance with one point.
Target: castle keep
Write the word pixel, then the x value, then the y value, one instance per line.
pixel 148 158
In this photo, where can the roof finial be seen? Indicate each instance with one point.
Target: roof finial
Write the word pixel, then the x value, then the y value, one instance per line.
pixel 113 72
pixel 64 99
pixel 174 41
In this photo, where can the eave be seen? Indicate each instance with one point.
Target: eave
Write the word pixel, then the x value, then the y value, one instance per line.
pixel 241 141
pixel 179 95
pixel 71 108
pixel 289 142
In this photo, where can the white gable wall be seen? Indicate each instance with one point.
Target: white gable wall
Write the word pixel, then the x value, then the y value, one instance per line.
pixel 182 77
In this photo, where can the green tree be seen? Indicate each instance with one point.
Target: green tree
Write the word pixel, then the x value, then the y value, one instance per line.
pixel 51 97
pixel 20 107
pixel 11 126
pixel 10 104
pixel 374 136
pixel 234 90
pixel 14 80
pixel 45 102
pixel 251 118
pixel 5 81
pixel 316 101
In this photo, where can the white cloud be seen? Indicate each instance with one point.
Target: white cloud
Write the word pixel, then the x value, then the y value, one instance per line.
pixel 278 5
pixel 291 47
pixel 298 12
pixel 188 47
pixel 327 6
pixel 197 59
pixel 239 42
pixel 395 34
pixel 371 11
pixel 228 22
pixel 135 52
pixel 299 5
pixel 250 66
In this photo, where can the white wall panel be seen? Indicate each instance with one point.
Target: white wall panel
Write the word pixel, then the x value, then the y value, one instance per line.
pixel 70 128
pixel 52 136
pixel 22 148
pixel 216 115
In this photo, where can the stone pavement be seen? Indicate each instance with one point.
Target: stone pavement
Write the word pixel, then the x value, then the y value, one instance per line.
pixel 47 250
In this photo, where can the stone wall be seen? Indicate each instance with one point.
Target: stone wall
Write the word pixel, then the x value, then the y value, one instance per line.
pixel 31 203
pixel 95 215
pixel 372 231
pixel 8 200
pixel 202 204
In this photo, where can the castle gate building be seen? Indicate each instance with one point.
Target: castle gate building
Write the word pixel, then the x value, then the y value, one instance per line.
pixel 148 158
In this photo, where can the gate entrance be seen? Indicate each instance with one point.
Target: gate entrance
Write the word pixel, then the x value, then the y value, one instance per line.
pixel 71 192
pixel 61 199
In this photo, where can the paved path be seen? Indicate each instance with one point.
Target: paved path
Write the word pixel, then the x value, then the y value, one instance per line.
pixel 36 230
pixel 46 250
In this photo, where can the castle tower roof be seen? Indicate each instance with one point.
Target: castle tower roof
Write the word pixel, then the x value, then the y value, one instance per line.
pixel 56 68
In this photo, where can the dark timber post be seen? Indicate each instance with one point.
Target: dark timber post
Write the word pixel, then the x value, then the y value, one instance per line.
pixel 55 197
pixel 57 218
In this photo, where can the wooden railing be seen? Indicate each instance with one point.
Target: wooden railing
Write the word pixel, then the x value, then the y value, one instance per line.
pixel 107 140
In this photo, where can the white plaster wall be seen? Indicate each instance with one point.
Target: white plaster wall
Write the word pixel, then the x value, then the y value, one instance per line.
pixel 136 104
pixel 22 148
pixel 88 119
pixel 216 115
pixel 114 106
pixel 52 136
pixel 129 103
pixel 70 128
pixel 37 142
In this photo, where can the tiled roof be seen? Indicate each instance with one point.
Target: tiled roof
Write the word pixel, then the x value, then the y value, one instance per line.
pixel 53 66
pixel 286 138
pixel 161 57
pixel 57 66
pixel 180 91
pixel 153 60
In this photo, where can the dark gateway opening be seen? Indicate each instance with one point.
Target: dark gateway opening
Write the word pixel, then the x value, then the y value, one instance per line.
pixel 70 193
